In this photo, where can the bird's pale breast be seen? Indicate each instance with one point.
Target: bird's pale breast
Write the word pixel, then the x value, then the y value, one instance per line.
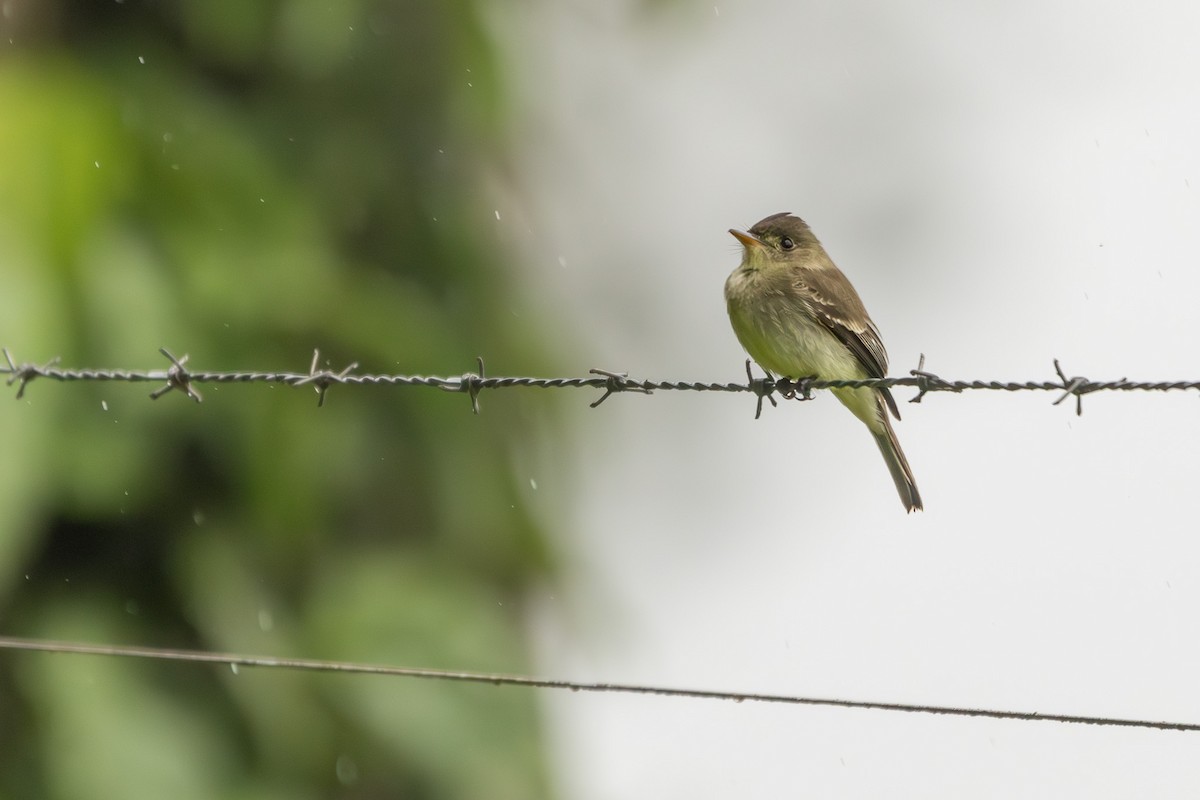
pixel 781 334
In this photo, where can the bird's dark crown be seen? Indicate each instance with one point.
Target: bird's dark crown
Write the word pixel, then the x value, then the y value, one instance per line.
pixel 783 224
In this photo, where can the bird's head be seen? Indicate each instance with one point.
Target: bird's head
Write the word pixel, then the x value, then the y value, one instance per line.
pixel 778 238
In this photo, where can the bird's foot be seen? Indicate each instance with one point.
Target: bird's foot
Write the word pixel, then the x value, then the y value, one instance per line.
pixel 798 389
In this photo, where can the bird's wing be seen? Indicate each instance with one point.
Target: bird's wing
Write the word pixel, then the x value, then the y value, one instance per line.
pixel 836 305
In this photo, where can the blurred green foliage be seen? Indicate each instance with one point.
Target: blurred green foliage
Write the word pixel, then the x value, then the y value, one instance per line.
pixel 245 180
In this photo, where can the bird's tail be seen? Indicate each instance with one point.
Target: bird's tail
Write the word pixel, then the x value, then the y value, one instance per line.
pixel 898 465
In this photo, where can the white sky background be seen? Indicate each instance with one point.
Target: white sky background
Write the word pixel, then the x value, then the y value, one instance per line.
pixel 1004 184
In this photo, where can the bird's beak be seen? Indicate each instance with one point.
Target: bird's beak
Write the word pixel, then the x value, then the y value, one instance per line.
pixel 748 240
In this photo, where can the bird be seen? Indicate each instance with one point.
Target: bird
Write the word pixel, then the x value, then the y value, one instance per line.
pixel 799 317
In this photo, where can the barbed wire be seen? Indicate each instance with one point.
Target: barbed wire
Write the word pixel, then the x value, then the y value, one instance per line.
pixel 177 377
pixel 236 660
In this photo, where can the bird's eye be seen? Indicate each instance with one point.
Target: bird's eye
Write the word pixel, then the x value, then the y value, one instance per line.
pixel 786 243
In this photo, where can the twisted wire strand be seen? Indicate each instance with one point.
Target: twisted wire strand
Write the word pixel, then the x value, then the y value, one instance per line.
pixel 178 377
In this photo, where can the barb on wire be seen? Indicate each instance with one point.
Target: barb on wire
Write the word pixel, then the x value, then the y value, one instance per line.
pixel 763 387
pixel 26 372
pixel 501 679
pixel 178 377
pixel 928 382
pixel 1078 387
pixel 617 382
pixel 473 384
pixel 323 379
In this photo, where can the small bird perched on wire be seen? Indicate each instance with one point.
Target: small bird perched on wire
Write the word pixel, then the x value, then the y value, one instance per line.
pixel 798 316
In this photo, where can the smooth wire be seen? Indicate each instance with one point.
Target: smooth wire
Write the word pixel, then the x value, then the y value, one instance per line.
pixel 235 660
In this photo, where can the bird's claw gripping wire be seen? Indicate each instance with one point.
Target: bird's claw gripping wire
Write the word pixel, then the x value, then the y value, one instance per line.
pixel 798 389
pixel 617 382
